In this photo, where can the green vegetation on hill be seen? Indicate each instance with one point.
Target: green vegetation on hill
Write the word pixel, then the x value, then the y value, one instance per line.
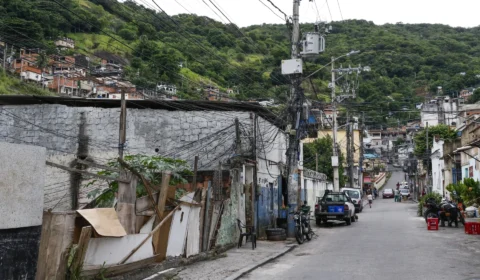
pixel 10 85
pixel 407 60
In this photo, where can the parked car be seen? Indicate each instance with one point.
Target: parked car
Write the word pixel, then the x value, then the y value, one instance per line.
pixel 388 193
pixel 405 192
pixel 356 196
pixel 335 206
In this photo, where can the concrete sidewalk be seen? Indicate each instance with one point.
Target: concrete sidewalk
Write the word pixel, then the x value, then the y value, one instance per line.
pixel 237 261
pixel 229 265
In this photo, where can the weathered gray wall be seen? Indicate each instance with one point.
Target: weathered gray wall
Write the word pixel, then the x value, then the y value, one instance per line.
pixel 22 173
pixel 68 132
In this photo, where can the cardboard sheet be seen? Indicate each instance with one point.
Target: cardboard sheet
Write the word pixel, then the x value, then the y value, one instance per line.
pixel 105 221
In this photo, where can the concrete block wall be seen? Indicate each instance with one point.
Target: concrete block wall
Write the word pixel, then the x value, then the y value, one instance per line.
pixel 68 132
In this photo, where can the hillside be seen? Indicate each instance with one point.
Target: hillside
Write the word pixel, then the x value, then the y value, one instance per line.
pixel 406 59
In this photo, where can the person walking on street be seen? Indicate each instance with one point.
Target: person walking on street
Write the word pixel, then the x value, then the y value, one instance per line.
pixel 397 192
pixel 375 192
pixel 370 199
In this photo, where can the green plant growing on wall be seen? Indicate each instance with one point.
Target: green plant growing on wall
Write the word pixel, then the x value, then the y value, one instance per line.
pixel 151 167
pixel 468 190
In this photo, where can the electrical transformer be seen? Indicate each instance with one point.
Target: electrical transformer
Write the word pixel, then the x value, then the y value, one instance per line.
pixel 313 45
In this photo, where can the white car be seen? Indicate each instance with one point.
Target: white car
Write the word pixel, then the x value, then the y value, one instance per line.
pixel 356 196
pixel 405 192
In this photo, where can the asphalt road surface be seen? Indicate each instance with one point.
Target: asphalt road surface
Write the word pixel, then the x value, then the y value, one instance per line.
pixel 388 242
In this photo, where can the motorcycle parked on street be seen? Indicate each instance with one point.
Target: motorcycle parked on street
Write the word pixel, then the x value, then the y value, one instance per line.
pixel 445 211
pixel 303 230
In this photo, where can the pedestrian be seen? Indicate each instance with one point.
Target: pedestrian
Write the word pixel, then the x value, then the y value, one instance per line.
pixel 370 199
pixel 396 195
pixel 375 192
pixel 398 185
pixel 423 192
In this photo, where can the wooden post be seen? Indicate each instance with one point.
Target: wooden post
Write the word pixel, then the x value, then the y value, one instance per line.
pixel 123 126
pixel 206 219
pixel 160 242
pixel 195 169
pixel 162 196
pixel 127 194
pixel 202 215
pixel 79 257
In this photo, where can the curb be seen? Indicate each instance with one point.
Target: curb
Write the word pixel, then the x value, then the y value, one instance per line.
pixel 248 269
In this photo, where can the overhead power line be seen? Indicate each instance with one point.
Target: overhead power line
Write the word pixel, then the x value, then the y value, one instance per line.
pixel 329 11
pixel 271 10
pixel 275 6
pixel 339 8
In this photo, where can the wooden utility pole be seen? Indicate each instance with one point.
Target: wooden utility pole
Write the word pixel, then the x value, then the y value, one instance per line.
pixel 123 126
pixel 5 58
pixel 195 170
pixel 316 162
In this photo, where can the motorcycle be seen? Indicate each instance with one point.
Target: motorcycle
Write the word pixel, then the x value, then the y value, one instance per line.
pixel 445 211
pixel 302 226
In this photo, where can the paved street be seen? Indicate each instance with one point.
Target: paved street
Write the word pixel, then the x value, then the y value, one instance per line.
pixel 388 242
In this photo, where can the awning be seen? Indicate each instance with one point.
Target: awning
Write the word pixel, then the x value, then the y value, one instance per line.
pixel 367 180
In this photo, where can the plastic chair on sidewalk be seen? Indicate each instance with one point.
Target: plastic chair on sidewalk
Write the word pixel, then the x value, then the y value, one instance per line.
pixel 249 232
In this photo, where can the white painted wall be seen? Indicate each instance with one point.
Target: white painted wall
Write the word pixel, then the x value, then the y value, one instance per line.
pixel 437 167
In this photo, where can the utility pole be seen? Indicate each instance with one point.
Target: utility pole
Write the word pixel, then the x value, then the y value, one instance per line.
pixel 123 126
pixel 316 162
pixel 360 161
pixel 294 120
pixel 427 154
pixel 5 57
pixel 335 160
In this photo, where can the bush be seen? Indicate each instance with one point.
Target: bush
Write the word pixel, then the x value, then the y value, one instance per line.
pixel 436 196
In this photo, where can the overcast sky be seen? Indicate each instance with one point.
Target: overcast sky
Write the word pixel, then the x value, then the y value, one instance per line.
pixel 463 13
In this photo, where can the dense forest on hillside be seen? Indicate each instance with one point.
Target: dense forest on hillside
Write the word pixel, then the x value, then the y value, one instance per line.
pixel 407 60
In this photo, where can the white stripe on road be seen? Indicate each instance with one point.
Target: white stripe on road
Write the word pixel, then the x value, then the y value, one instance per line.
pixel 158 273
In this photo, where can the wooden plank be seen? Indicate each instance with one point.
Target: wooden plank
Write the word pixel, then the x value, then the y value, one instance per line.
pixel 77 263
pixel 146 185
pixel 217 207
pixel 162 200
pixel 109 178
pixel 207 219
pixel 149 235
pixel 42 262
pixel 54 250
pixel 127 194
pixel 116 269
pixel 193 232
pixel 202 215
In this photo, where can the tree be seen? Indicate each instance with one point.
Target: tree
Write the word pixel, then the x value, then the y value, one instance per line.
pixel 42 61
pixel 323 147
pixel 475 97
pixel 441 130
